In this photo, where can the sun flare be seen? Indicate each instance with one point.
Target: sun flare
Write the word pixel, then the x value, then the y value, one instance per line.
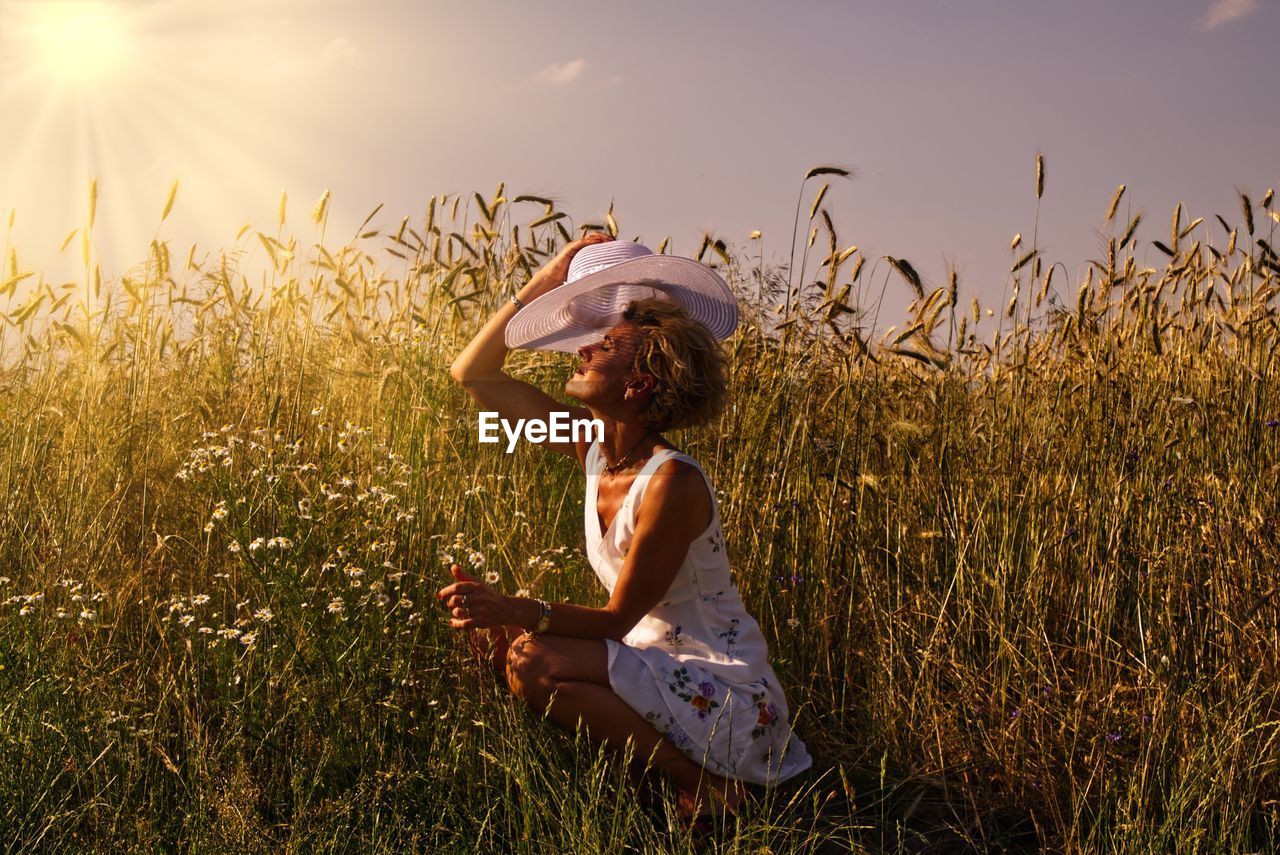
pixel 78 44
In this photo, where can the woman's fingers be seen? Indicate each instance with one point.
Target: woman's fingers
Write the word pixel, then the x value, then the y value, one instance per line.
pixel 471 605
pixel 594 237
pixel 458 588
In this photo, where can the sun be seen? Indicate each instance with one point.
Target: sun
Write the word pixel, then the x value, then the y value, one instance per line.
pixel 77 44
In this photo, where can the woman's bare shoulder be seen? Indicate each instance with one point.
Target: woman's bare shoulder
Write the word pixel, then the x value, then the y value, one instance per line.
pixel 679 481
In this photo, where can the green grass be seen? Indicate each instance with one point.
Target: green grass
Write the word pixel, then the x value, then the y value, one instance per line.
pixel 1021 592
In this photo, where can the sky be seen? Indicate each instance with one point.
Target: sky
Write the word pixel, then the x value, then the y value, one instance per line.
pixel 689 117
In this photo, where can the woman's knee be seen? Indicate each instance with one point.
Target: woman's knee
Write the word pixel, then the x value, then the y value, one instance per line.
pixel 528 673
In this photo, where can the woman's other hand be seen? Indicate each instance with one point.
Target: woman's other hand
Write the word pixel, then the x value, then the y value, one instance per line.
pixel 473 604
pixel 555 271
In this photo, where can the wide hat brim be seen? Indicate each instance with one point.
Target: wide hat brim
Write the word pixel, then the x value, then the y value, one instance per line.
pixel 579 312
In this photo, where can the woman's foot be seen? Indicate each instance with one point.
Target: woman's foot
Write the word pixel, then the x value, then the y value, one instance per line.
pixel 701 809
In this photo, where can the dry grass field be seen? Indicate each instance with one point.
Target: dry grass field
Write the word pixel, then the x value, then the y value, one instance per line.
pixel 1017 567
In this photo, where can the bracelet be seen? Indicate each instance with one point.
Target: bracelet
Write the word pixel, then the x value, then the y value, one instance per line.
pixel 544 618
pixel 517 301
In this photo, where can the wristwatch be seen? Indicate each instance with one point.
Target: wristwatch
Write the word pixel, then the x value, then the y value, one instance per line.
pixel 544 618
pixel 519 303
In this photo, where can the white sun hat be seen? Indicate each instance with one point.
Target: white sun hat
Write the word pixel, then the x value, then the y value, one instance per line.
pixel 603 279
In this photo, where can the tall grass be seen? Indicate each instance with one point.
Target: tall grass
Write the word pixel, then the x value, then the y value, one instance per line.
pixel 1021 589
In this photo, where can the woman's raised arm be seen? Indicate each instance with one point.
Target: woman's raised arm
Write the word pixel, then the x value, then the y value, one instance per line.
pixel 479 366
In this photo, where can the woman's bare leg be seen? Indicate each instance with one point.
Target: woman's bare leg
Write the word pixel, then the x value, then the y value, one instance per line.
pixel 568 680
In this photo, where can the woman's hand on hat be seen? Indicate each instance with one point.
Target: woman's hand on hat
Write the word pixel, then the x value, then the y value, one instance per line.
pixel 555 271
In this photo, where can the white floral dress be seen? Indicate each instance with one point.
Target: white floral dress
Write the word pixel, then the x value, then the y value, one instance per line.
pixel 696 666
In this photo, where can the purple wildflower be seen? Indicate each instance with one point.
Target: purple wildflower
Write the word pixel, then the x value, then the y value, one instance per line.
pixel 1113 736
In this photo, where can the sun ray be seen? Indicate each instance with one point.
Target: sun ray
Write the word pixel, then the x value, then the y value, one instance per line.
pixel 183 92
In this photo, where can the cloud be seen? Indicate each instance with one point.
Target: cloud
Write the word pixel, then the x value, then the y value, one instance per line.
pixel 558 75
pixel 339 52
pixel 1224 11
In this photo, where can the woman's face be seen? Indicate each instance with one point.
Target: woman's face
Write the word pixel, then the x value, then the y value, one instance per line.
pixel 605 367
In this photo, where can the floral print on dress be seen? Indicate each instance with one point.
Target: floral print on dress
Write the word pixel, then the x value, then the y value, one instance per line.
pixel 729 636
pixel 671 730
pixel 716 540
pixel 767 714
pixel 699 695
pixel 673 638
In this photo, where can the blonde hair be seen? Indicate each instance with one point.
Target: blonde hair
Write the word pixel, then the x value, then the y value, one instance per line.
pixel 685 358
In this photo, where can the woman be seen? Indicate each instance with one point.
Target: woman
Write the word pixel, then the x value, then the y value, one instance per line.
pixel 673 663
